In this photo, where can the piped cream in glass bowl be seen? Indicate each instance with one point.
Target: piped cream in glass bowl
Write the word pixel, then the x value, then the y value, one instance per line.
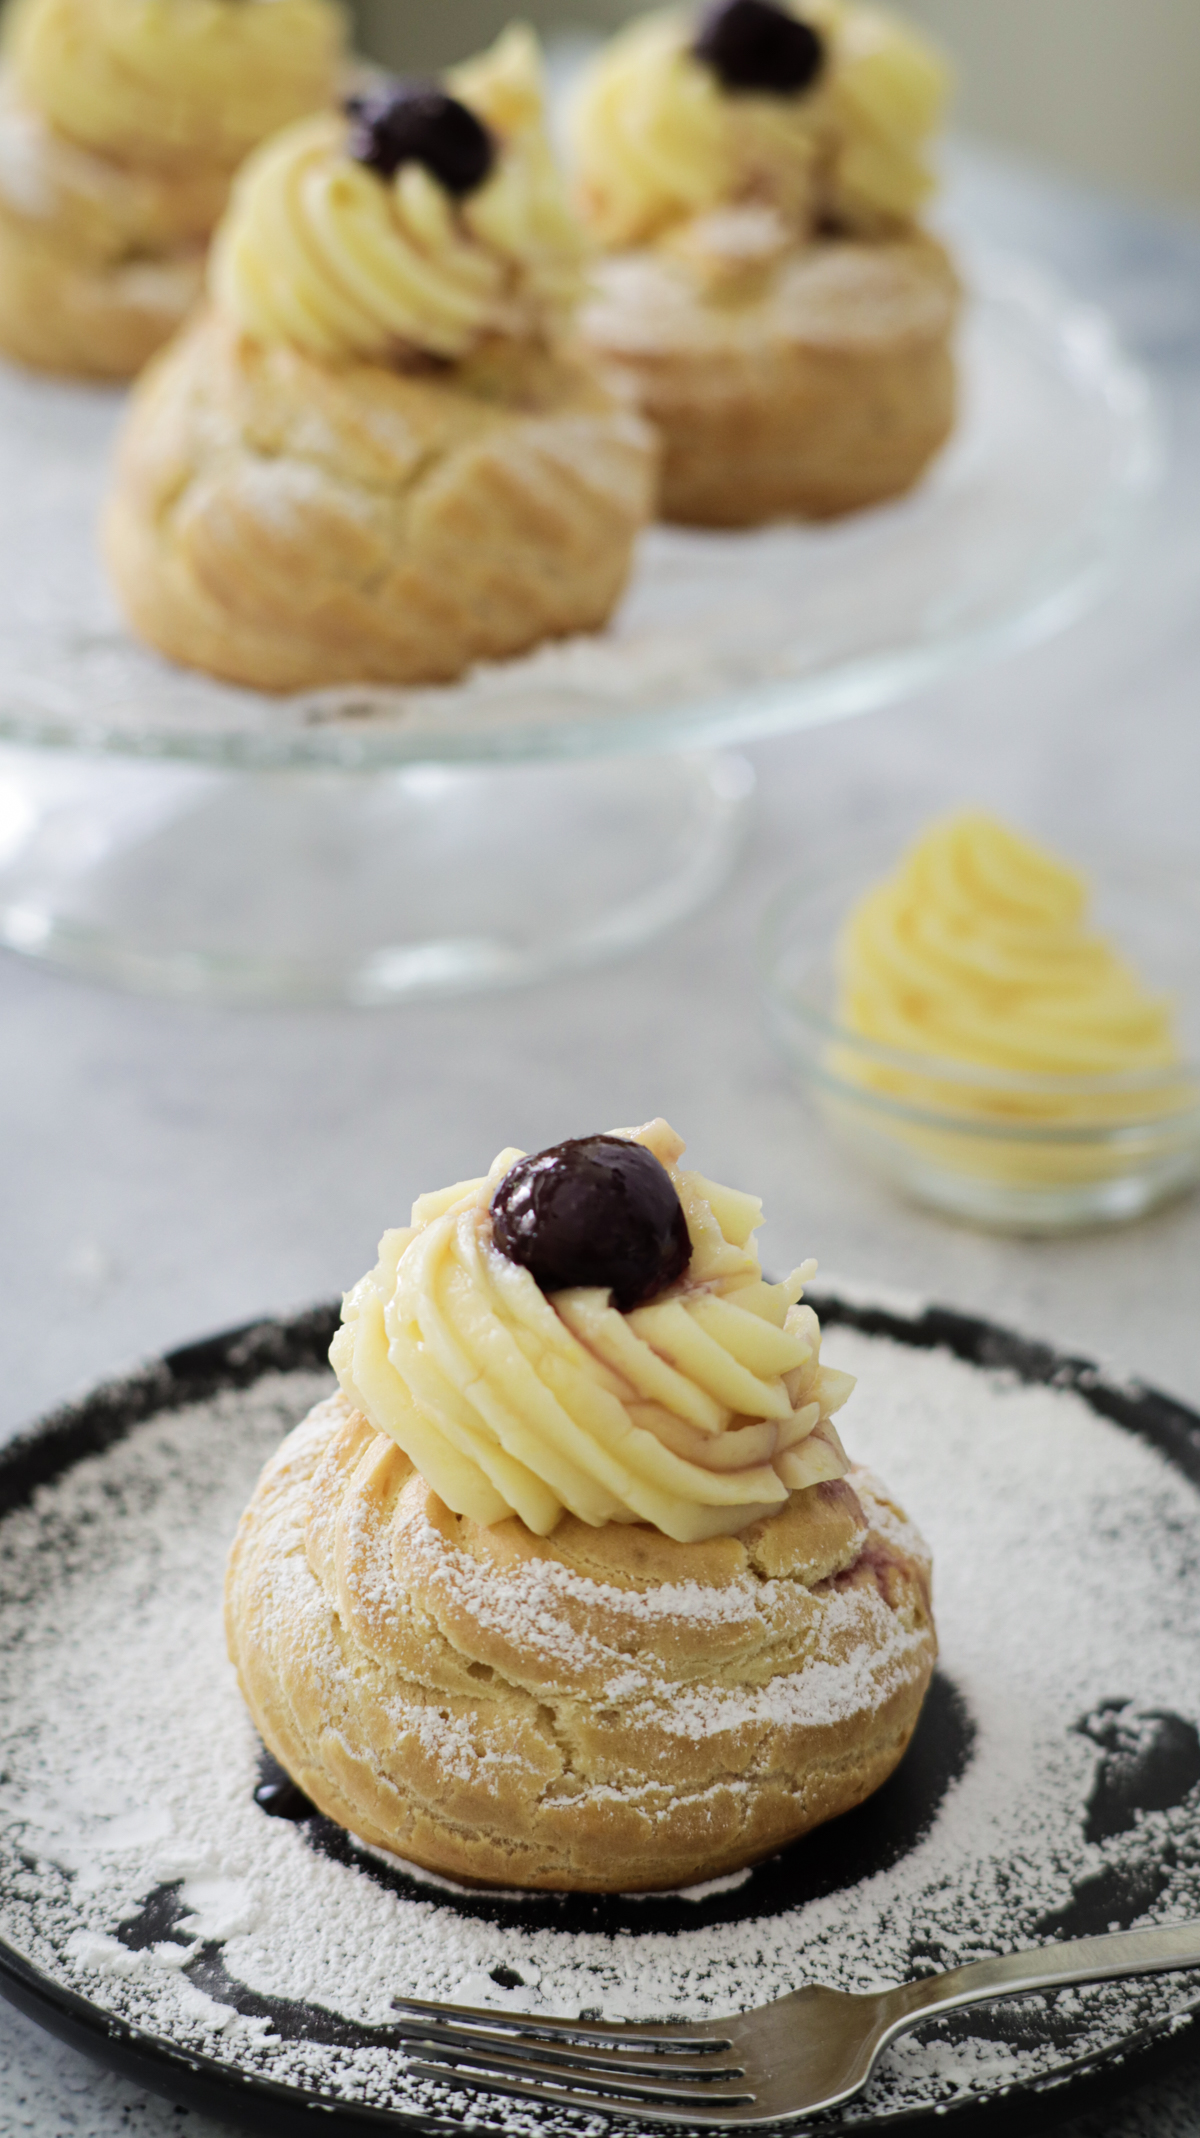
pixel 984 1040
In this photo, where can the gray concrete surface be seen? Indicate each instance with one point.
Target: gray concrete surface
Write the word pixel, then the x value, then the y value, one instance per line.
pixel 166 1171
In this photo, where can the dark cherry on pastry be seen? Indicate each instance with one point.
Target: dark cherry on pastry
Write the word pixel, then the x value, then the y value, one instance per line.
pixel 416 122
pixel 595 1210
pixel 750 44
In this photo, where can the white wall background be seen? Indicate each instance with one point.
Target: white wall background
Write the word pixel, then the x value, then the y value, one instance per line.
pixel 1108 89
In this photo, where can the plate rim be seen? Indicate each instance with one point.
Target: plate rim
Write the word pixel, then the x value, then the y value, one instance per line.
pixel 237 1358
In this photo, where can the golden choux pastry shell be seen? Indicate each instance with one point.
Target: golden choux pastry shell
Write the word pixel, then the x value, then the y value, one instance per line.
pixel 599 1710
pixel 807 383
pixel 100 261
pixel 288 524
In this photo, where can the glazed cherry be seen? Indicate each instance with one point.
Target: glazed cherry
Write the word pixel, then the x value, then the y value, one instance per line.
pixel 751 44
pixel 416 122
pixel 595 1210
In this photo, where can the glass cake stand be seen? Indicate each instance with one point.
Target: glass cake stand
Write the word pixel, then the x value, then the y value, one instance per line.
pixel 167 832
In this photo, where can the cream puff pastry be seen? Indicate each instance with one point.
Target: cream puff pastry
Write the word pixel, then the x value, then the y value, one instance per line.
pixel 770 299
pixel 368 458
pixel 121 124
pixel 572 1585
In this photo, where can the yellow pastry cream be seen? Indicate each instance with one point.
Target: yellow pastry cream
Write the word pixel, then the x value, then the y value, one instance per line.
pixel 974 971
pixel 346 258
pixel 696 1405
pixel 660 134
pixel 168 82
pixel 978 951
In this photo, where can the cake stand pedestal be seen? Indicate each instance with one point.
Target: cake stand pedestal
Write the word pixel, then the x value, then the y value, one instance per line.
pixel 367 887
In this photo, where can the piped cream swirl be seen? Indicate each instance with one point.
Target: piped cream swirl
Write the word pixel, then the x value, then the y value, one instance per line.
pixel 698 1413
pixel 657 139
pixel 319 251
pixel 171 81
pixel 977 952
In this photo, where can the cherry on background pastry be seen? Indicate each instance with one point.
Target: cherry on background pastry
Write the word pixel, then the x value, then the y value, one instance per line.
pixel 369 459
pixel 770 300
pixel 755 44
pixel 416 122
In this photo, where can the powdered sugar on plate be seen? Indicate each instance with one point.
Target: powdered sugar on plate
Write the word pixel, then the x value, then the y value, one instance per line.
pixel 137 1869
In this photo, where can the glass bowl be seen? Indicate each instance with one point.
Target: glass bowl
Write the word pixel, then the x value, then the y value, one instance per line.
pixel 1008 1152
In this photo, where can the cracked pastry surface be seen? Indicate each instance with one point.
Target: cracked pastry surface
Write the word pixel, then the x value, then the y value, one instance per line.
pixel 769 298
pixel 599 1710
pixel 121 123
pixel 783 379
pixel 369 459
pixel 100 259
pixel 284 523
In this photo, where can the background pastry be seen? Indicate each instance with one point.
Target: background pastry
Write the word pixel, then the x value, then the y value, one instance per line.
pixel 121 124
pixel 367 459
pixel 771 300
pixel 569 1593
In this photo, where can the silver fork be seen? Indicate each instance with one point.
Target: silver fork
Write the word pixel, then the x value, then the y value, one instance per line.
pixel 811 2050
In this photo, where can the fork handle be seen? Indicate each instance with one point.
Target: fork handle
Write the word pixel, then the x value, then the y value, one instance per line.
pixel 1122 1952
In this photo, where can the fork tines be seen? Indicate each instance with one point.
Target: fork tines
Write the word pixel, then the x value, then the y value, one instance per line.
pixel 605 2033
pixel 666 2075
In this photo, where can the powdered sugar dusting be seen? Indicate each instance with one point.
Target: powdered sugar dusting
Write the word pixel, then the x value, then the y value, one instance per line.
pixel 824 1693
pixel 1067 1574
pixel 876 1650
pixel 526 1602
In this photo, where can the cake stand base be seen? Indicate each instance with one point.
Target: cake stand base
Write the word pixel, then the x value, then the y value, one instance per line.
pixel 371 888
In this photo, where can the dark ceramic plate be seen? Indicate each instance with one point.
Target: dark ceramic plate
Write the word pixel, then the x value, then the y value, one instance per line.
pixel 1142 1802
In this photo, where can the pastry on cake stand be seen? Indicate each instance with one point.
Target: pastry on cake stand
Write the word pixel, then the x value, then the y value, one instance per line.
pixel 378 844
pixel 121 126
